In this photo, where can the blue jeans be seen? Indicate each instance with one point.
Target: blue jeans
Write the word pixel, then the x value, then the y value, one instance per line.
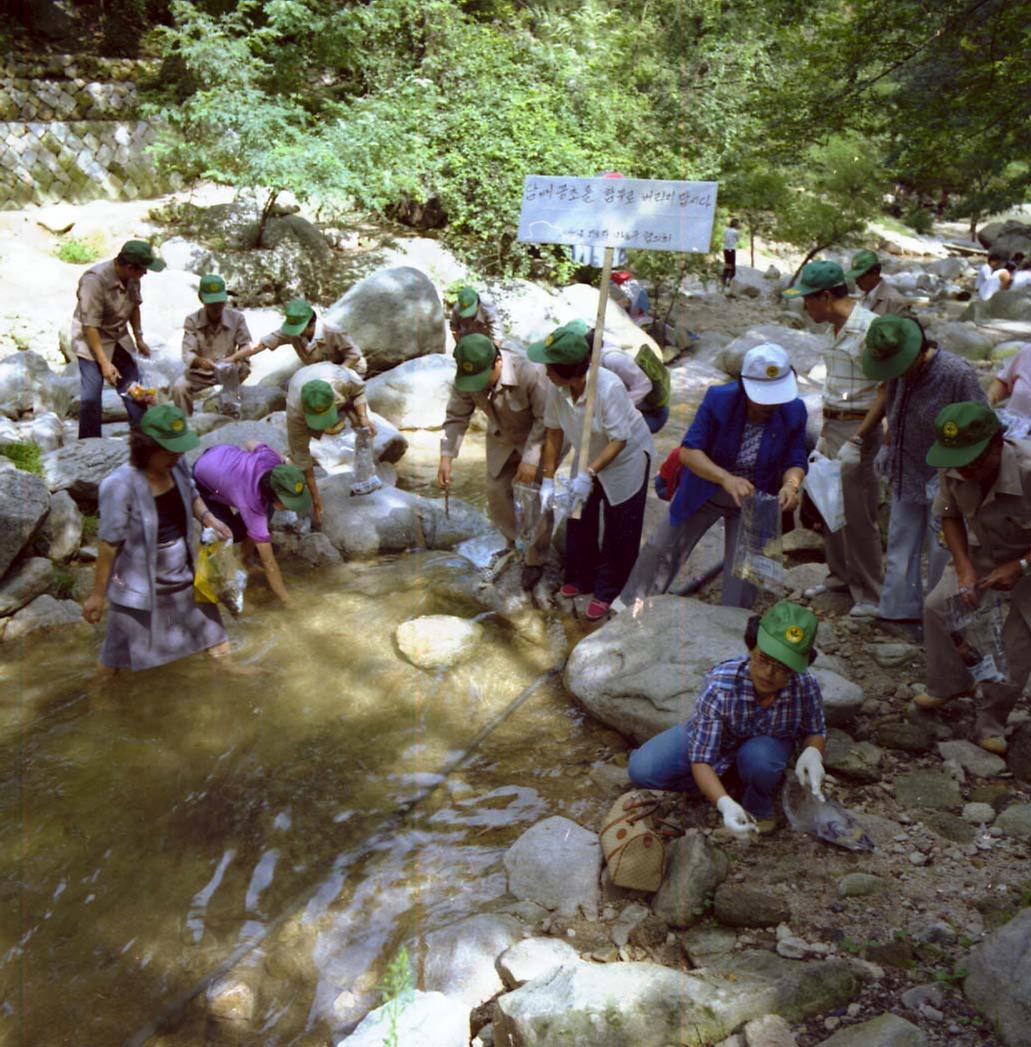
pixel 656 419
pixel 662 763
pixel 91 386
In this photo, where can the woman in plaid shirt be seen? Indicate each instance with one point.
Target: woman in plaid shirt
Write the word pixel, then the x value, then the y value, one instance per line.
pixel 750 715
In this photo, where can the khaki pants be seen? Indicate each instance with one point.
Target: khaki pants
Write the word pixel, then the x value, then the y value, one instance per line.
pixel 947 676
pixel 854 552
pixel 194 379
pixel 502 511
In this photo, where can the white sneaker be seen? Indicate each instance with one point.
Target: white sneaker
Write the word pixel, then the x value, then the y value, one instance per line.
pixel 864 610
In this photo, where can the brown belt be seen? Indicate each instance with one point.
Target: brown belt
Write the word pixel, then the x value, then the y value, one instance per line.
pixel 843 416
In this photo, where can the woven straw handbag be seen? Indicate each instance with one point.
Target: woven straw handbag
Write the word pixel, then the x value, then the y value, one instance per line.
pixel 634 851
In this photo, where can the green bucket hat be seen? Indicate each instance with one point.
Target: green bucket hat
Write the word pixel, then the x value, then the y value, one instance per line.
pixel 474 356
pixel 817 276
pixel 787 632
pixel 963 431
pixel 319 403
pixel 212 289
pixel 168 426
pixel 298 316
pixel 139 252
pixel 892 344
pixel 287 483
pixel 565 345
pixel 862 262
pixel 468 302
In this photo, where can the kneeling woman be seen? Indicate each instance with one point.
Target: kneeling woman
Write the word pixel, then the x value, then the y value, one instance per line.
pixel 145 558
pixel 254 481
pixel 752 713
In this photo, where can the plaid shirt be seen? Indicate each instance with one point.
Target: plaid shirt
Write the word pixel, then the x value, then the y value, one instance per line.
pixel 727 714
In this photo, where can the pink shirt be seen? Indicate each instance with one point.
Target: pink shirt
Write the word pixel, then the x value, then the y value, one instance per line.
pixel 233 474
pixel 1016 376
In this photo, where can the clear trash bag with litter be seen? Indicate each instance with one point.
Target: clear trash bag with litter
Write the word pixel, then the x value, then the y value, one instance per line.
pixel 528 515
pixel 823 485
pixel 758 557
pixel 976 633
pixel 229 398
pixel 220 576
pixel 824 819
pixel 365 479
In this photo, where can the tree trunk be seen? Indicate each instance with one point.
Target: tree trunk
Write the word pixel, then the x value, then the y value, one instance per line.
pixel 751 245
pixel 815 251
pixel 266 213
pixel 973 227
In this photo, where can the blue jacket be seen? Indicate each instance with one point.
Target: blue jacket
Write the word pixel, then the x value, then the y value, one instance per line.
pixel 717 429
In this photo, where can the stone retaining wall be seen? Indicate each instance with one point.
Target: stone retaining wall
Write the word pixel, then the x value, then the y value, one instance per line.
pixel 69 130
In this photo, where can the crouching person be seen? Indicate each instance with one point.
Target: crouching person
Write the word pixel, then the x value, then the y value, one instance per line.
pixel 750 716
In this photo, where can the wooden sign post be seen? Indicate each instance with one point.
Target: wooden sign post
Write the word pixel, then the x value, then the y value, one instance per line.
pixel 647 214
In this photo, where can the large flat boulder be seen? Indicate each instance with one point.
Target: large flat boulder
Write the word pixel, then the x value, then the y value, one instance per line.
pixel 557 864
pixel 414 394
pixel 459 960
pixel 41 615
pixel 27 384
pixel 24 583
pixel 805 349
pixel 79 467
pixel 429 1019
pixel 998 981
pixel 24 504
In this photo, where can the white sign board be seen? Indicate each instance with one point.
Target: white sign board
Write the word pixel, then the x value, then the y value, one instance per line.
pixel 643 213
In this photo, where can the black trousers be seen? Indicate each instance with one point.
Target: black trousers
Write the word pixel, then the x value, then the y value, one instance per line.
pixel 604 570
pixel 91 387
pixel 729 265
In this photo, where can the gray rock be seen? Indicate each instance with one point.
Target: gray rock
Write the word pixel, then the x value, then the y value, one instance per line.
pixel 1016 820
pixel 239 433
pixel 858 760
pixel 920 995
pixel 805 349
pixel 386 521
pixel 802 542
pixel 694 869
pixel 62 531
pixel 414 394
pixel 204 422
pixel 41 614
pixel 841 698
pixel 27 384
pixel 908 736
pixel 556 863
pixel 315 549
pixel 46 431
pixel 1018 756
pixel 459 959
pixel 998 981
pixel 533 957
pixel 442 529
pixel 948 826
pixel 806 576
pixel 926 789
pixel 769 1031
pixel 888 1030
pixel 438 641
pixel 79 467
pixel 24 583
pixel 978 813
pixel 24 504
pixel 738 905
pixel 892 655
pixel 964 339
pixel 972 758
pixel 180 253
pixel 258 401
pixel 859 885
pixel 429 1019
pixel 231 1000
pixel 706 945
pixel 632 917
pixel 394 315
pixel 336 453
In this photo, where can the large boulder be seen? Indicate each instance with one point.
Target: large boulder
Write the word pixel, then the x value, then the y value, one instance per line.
pixel 363 526
pixel 459 960
pixel 27 384
pixel 394 315
pixel 79 467
pixel 642 674
pixel 1004 305
pixel 886 1030
pixel 963 339
pixel 695 870
pixel 429 1019
pixel 239 433
pixel 414 394
pixel 24 504
pixel 998 981
pixel 42 614
pixel 805 349
pixel 24 583
pixel 1010 236
pixel 556 863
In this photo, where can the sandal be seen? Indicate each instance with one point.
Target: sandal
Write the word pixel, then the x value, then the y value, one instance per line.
pixel 569 590
pixel 596 610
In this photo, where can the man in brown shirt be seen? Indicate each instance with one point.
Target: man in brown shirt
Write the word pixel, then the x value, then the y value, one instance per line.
pixel 215 334
pixel 985 508
pixel 314 340
pixel 512 392
pixel 879 297
pixel 474 313
pixel 107 303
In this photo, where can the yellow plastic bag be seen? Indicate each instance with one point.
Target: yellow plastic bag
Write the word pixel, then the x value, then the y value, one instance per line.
pixel 219 576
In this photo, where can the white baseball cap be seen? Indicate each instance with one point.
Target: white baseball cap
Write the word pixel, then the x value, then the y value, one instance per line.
pixel 767 375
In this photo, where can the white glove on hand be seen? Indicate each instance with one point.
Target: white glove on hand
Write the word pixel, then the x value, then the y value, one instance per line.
pixel 809 771
pixel 735 817
pixel 581 487
pixel 547 494
pixel 849 453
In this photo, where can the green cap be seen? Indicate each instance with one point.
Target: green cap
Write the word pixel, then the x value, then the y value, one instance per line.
pixel 298 316
pixel 787 632
pixel 139 252
pixel 817 276
pixel 468 302
pixel 963 432
pixel 319 403
pixel 862 262
pixel 892 344
pixel 475 355
pixel 565 345
pixel 212 289
pixel 167 426
pixel 287 483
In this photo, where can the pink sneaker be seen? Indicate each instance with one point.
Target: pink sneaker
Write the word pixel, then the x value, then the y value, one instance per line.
pixel 569 590
pixel 596 610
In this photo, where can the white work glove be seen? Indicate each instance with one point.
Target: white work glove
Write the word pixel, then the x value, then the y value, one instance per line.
pixel 849 453
pixel 809 771
pixel 547 494
pixel 735 817
pixel 581 487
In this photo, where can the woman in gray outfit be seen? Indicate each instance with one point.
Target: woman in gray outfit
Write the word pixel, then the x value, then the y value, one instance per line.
pixel 145 557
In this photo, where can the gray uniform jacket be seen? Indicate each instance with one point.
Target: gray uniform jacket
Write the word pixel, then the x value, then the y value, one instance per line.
pixel 129 519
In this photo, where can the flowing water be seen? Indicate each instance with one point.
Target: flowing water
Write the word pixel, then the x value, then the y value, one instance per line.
pixel 182 816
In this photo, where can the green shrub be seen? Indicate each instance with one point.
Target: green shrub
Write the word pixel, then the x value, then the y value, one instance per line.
pixel 77 251
pixel 64 585
pixel 26 456
pixel 90 525
pixel 919 219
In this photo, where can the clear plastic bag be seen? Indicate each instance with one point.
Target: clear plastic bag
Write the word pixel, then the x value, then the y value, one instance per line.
pixel 229 398
pixel 365 479
pixel 976 633
pixel 758 557
pixel 823 485
pixel 219 576
pixel 528 516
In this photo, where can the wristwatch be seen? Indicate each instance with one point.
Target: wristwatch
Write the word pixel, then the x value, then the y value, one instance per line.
pixel 1025 566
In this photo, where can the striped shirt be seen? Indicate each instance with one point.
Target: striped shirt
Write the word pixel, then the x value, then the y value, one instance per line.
pixel 727 713
pixel 846 387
